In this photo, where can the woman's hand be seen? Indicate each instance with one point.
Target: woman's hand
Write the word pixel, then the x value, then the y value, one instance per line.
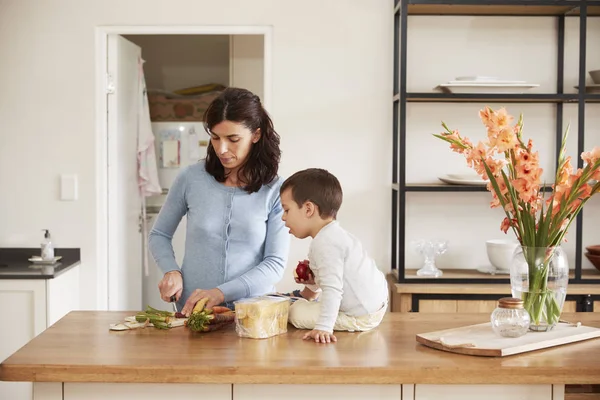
pixel 215 297
pixel 171 284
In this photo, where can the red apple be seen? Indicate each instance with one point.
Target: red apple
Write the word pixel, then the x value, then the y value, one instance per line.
pixel 303 270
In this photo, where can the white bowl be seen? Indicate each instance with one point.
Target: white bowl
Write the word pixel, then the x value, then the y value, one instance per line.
pixel 595 75
pixel 500 252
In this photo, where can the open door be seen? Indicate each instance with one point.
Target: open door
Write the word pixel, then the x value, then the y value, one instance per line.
pixel 247 63
pixel 124 201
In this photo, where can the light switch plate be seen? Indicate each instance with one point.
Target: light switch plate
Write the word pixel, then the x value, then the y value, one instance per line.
pixel 68 187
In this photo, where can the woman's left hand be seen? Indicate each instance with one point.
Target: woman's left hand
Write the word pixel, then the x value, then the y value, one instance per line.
pixel 215 297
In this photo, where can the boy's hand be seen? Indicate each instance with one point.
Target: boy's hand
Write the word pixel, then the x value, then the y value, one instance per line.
pixel 310 281
pixel 320 336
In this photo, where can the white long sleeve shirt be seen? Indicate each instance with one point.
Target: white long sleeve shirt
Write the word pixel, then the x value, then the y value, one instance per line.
pixel 350 280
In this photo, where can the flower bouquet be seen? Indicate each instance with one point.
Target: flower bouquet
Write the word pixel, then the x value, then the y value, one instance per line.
pixel 539 219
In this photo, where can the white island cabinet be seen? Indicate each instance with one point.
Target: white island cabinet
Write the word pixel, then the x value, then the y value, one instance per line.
pixel 28 307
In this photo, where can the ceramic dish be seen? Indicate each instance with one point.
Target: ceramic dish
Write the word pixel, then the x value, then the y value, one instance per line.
pixel 595 75
pixel 483 82
pixel 502 88
pixel 590 88
pixel 38 260
pixel 458 179
pixel 594 250
pixel 594 259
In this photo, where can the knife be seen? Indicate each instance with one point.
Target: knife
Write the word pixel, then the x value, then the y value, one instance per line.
pixel 173 302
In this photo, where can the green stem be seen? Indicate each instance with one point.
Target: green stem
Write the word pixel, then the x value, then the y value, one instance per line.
pixel 540 302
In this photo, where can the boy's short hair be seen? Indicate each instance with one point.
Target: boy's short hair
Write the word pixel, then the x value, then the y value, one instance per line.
pixel 318 186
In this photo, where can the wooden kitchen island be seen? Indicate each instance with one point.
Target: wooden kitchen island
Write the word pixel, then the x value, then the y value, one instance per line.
pixel 79 358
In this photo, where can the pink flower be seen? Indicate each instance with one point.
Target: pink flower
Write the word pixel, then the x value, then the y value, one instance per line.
pixel 590 157
pixel 503 192
pixel 506 139
pixel 507 223
pixel 474 158
pixel 486 116
pixel 584 192
pixel 526 189
pixel 495 166
pixel 501 119
pixel 565 172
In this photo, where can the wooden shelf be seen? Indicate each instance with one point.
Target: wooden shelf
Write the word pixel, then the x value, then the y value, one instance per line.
pixel 592 98
pixel 438 286
pixel 458 273
pixel 490 97
pixel 499 7
pixel 443 187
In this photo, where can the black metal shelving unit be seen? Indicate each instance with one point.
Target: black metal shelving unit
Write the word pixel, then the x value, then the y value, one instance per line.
pixel 559 9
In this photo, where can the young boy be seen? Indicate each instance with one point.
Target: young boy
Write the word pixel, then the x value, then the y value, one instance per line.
pixel 354 293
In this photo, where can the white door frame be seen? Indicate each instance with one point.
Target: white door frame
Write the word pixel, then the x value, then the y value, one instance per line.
pixel 103 241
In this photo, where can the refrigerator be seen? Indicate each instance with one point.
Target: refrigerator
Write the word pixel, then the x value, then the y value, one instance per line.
pixel 178 144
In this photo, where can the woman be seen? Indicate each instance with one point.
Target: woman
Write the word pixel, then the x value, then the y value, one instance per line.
pixel 236 243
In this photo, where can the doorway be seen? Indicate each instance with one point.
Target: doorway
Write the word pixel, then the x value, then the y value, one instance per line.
pixel 178 61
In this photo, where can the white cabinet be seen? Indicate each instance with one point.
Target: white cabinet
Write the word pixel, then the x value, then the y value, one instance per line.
pixel 145 391
pixel 316 392
pixel 28 307
pixel 487 392
pixel 192 391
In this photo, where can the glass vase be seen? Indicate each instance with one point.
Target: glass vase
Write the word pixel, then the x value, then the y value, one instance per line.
pixel 539 276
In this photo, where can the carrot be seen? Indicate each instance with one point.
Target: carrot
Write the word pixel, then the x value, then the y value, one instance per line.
pixel 200 305
pixel 220 309
pixel 215 327
pixel 222 317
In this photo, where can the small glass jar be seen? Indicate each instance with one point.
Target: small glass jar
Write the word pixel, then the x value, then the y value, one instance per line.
pixel 510 319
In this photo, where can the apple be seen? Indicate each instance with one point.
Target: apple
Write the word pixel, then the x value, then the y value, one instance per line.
pixel 303 270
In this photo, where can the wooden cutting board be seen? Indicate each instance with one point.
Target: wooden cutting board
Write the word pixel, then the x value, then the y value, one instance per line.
pixel 480 340
pixel 131 323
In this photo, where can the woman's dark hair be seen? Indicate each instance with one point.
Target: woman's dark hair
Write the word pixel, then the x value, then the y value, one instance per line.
pixel 242 106
pixel 316 185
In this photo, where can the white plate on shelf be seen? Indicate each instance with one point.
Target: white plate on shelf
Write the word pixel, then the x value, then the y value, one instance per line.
pixel 477 78
pixel 483 82
pixel 462 179
pixel 480 88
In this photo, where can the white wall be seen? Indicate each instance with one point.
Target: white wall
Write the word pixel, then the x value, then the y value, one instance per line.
pixel 331 105
pixel 181 61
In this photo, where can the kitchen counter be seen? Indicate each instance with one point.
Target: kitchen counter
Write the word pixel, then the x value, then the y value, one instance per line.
pixel 80 348
pixel 14 263
pixel 79 358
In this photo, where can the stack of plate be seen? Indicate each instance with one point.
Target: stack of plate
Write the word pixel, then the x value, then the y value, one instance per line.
pixel 463 179
pixel 484 84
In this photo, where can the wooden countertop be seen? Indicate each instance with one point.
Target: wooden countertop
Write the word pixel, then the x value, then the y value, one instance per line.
pixel 80 348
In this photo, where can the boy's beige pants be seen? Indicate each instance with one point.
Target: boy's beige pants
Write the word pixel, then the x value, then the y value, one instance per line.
pixel 304 314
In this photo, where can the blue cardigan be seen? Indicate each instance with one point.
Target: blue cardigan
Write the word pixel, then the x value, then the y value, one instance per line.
pixel 234 241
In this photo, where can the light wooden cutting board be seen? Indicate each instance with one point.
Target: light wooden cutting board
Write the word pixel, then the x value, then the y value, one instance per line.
pixel 480 340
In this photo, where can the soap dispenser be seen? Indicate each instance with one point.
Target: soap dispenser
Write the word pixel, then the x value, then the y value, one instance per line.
pixel 47 247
